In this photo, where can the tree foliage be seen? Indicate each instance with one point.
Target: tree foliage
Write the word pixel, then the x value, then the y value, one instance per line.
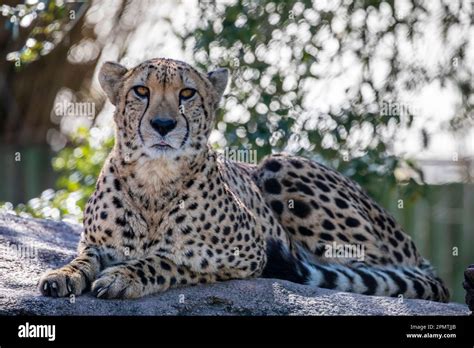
pixel 282 53
pixel 277 49
pixel 78 167
pixel 52 21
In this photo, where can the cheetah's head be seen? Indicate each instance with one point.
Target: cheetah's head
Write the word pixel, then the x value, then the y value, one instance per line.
pixel 164 108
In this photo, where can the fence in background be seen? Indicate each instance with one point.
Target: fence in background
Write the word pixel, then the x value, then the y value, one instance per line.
pixel 442 226
pixel 25 172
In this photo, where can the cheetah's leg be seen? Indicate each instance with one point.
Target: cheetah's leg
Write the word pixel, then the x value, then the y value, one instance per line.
pixel 74 278
pixel 394 280
pixel 137 278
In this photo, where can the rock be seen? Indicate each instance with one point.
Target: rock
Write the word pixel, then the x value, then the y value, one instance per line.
pixel 30 246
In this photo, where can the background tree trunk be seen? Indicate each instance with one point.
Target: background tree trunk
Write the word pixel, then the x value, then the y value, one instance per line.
pixel 28 93
pixel 26 100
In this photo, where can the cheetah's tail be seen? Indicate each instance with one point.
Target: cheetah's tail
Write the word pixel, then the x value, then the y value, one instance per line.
pixel 407 281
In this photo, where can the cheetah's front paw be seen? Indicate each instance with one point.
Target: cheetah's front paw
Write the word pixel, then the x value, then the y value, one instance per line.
pixel 62 282
pixel 117 282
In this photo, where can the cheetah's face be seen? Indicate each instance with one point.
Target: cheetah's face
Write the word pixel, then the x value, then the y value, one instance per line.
pixel 165 108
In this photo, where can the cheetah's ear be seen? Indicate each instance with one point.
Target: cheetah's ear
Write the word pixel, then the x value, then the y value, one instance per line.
pixel 219 78
pixel 110 77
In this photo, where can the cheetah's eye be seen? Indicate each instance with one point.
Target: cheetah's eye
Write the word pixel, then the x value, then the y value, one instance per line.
pixel 187 93
pixel 141 91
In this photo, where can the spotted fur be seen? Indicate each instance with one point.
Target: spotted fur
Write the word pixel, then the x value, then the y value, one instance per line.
pixel 169 211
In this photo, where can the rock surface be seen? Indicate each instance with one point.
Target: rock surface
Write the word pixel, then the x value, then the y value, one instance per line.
pixel 30 246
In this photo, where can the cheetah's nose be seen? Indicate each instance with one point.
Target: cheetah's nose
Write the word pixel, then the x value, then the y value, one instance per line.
pixel 162 125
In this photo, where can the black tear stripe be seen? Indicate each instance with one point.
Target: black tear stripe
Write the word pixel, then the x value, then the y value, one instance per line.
pixel 141 119
pixel 186 136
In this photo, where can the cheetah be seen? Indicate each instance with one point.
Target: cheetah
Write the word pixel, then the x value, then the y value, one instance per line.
pixel 169 211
